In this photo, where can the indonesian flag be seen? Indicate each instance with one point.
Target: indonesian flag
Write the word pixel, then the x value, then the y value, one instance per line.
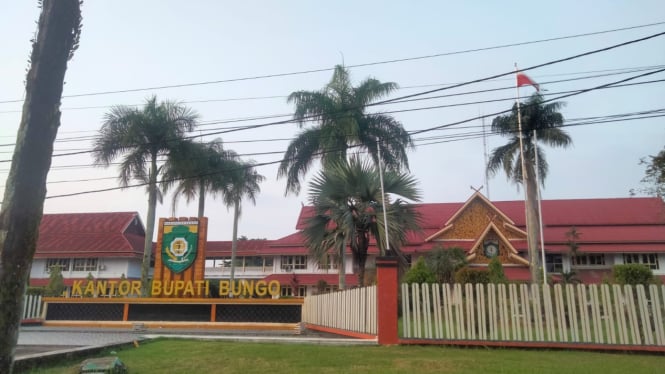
pixel 524 80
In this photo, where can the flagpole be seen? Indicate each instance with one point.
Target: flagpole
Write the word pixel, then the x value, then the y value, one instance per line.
pixel 532 256
pixel 540 209
pixel 383 197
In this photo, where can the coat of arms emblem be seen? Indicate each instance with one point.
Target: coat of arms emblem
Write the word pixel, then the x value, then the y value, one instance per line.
pixel 179 248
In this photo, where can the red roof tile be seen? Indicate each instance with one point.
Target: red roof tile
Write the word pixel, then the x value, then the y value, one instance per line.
pixel 90 234
pixel 311 279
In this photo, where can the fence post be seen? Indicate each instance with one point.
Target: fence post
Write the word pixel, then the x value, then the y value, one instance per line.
pixel 387 288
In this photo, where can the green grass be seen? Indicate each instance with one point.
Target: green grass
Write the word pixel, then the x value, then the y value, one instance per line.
pixel 200 357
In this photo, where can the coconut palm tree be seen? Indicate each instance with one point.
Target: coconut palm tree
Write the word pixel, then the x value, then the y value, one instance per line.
pixel 245 185
pixel 544 122
pixel 349 206
pixel 199 169
pixel 342 123
pixel 140 136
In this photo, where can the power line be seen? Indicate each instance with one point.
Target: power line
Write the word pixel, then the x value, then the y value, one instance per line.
pixel 357 65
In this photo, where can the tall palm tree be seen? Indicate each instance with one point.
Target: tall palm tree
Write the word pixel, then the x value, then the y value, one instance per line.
pixel 142 135
pixel 349 208
pixel 199 169
pixel 543 121
pixel 342 123
pixel 245 185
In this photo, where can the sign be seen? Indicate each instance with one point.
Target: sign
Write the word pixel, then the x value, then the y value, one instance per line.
pixel 199 288
pixel 179 245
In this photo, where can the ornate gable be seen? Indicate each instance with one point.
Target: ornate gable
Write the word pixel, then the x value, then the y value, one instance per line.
pixel 486 229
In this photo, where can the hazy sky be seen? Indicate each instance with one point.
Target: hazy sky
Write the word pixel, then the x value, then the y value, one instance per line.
pixel 142 44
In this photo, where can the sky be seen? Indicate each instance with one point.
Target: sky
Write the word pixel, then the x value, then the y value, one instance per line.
pixel 143 45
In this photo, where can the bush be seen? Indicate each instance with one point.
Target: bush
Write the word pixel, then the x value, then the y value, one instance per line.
pixel 632 274
pixel 445 262
pixel 56 283
pixel 496 274
pixel 37 291
pixel 419 273
pixel 469 275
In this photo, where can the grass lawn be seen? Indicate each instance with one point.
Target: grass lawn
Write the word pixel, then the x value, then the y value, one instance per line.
pixel 200 357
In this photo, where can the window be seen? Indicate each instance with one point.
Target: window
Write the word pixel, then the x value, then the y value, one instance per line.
pixel 254 262
pixel 294 263
pixel 85 264
pixel 301 291
pixel 62 262
pixel 330 262
pixel 554 263
pixel 648 259
pixel 589 260
pixel 286 291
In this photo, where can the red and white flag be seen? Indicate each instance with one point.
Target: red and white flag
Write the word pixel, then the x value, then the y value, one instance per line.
pixel 524 80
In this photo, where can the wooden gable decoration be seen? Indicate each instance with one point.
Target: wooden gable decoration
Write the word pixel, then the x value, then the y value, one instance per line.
pixel 479 222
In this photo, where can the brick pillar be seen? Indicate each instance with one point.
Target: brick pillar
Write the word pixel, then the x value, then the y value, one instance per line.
pixel 387 288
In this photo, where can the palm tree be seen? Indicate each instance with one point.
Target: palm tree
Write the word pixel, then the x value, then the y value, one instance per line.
pixel 197 169
pixel 142 135
pixel 349 208
pixel 245 185
pixel 541 120
pixel 342 123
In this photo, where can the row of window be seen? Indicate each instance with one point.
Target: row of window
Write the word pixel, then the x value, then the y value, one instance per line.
pixel 287 263
pixel 554 262
pixel 76 264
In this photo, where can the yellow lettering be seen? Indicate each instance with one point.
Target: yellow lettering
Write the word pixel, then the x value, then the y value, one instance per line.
pixel 112 285
pixel 261 288
pixel 189 289
pixel 273 288
pixel 156 288
pixel 89 289
pixel 168 289
pixel 179 286
pixel 207 288
pixel 101 288
pixel 247 288
pixel 76 288
pixel 136 288
pixel 123 288
pixel 236 291
pixel 223 288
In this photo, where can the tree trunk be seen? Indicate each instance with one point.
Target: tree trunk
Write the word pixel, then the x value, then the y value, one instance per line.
pixel 23 202
pixel 202 199
pixel 361 256
pixel 342 269
pixel 234 242
pixel 533 228
pixel 149 227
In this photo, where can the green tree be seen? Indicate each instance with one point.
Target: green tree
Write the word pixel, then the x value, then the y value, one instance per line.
pixel 654 175
pixel 445 262
pixel 539 120
pixel 245 185
pixel 420 273
pixel 339 110
pixel 143 135
pixel 56 283
pixel 58 31
pixel 632 274
pixel 496 274
pixel 199 170
pixel 349 207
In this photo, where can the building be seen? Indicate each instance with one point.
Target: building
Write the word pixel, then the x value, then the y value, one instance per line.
pixel 605 231
pixel 105 246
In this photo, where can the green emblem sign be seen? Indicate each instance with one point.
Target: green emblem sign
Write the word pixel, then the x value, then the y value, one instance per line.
pixel 179 247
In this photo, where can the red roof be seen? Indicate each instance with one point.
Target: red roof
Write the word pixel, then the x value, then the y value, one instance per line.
pixel 244 247
pixel 90 234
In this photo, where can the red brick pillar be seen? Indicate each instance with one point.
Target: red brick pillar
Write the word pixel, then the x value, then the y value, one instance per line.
pixel 387 288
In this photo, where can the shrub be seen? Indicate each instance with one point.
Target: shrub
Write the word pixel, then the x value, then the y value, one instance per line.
pixel 469 275
pixel 39 291
pixel 496 274
pixel 632 274
pixel 445 262
pixel 56 283
pixel 419 273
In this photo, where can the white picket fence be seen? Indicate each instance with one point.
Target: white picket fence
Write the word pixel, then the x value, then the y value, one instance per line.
pixel 351 310
pixel 32 307
pixel 600 314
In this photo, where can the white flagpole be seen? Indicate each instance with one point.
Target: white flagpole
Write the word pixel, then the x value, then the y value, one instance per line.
pixel 519 128
pixel 540 210
pixel 383 197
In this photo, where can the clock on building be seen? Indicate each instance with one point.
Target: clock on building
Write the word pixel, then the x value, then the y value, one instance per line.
pixel 491 248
